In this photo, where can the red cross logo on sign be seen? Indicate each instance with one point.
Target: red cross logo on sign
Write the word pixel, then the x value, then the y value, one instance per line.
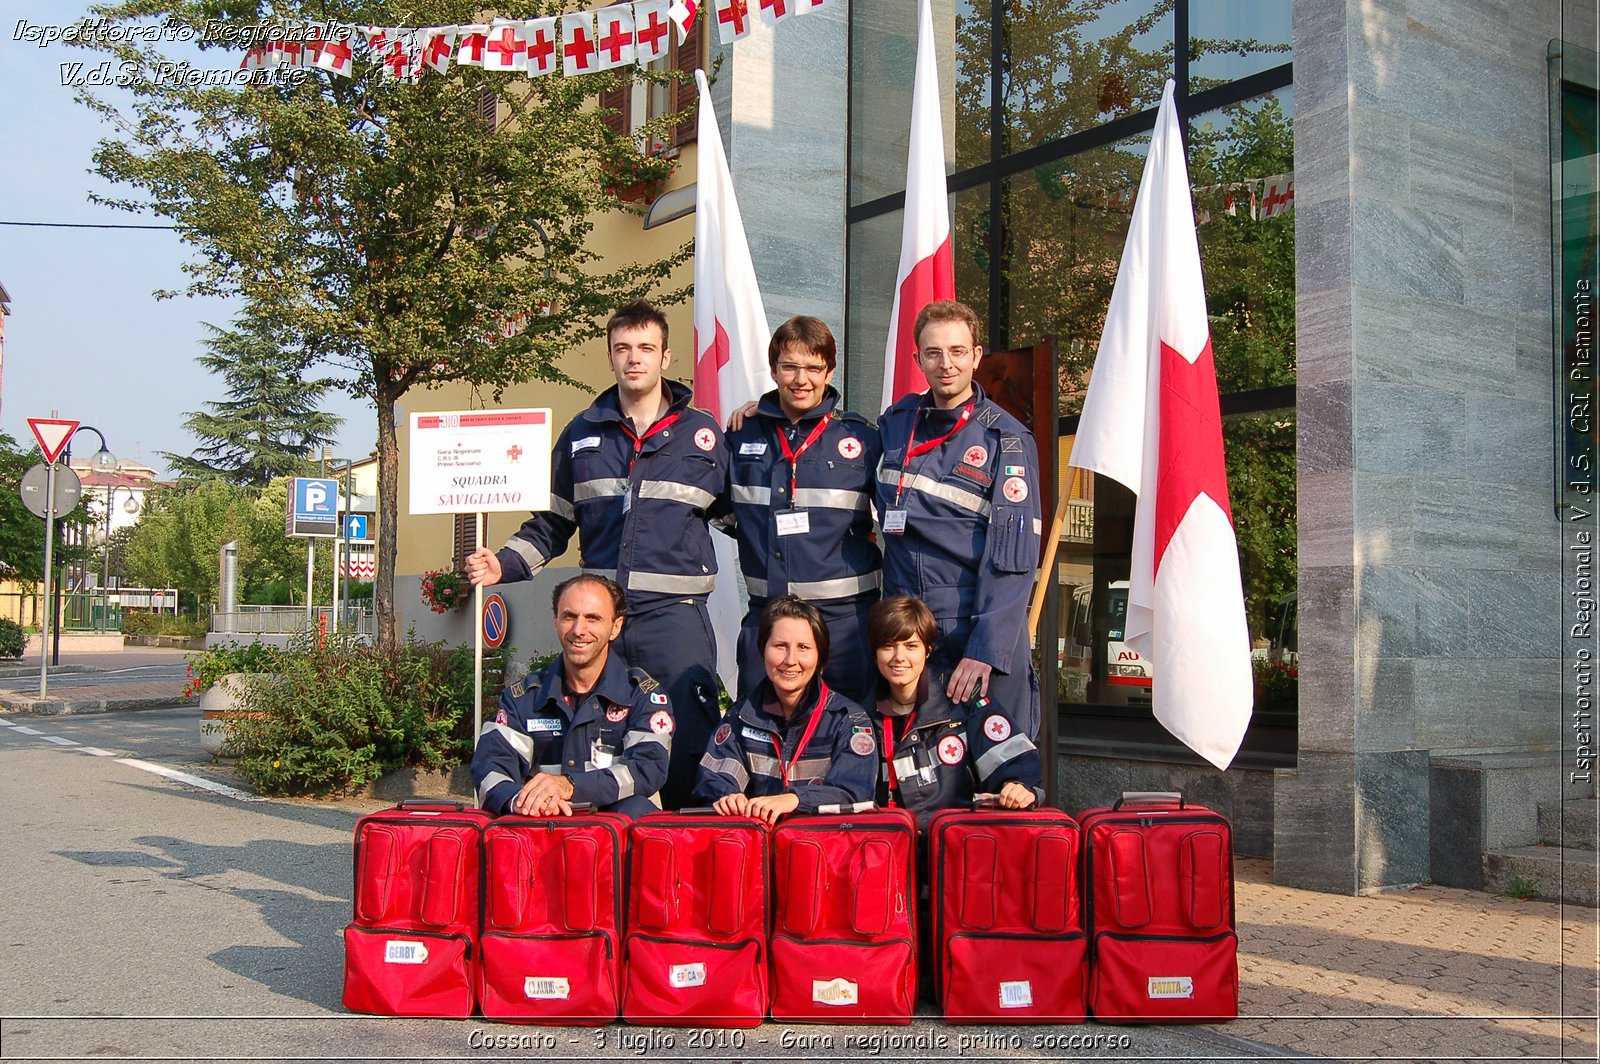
pixel 997 728
pixel 514 453
pixel 850 447
pixel 705 439
pixel 952 749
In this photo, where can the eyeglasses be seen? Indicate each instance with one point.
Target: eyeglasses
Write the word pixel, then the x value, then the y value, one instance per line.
pixel 791 370
pixel 935 354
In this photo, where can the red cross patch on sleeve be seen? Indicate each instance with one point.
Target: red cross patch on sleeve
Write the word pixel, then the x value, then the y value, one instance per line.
pixel 705 439
pixel 997 728
pixel 1015 489
pixel 952 749
pixel 850 447
pixel 661 723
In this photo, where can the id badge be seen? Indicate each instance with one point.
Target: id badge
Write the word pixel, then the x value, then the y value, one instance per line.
pixel 794 522
pixel 601 754
pixel 894 522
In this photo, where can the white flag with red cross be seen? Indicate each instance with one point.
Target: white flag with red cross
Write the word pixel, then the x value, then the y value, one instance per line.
pixel 927 267
pixel 614 47
pixel 505 48
pixel 682 13
pixel 730 337
pixel 331 51
pixel 577 43
pixel 470 45
pixel 544 45
pixel 650 25
pixel 438 45
pixel 733 20
pixel 771 12
pixel 1151 420
pixel 802 7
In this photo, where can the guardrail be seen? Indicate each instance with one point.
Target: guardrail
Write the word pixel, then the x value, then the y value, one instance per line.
pixel 287 620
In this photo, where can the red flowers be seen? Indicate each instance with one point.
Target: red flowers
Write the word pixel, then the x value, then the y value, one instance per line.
pixel 444 590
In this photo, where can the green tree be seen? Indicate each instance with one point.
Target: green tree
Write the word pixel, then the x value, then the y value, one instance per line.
pixel 270 423
pixel 388 227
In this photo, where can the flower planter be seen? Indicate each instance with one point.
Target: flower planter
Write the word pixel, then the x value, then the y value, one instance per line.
pixel 220 705
pixel 640 192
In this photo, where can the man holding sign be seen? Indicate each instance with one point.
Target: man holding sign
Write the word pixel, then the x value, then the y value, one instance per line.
pixel 636 476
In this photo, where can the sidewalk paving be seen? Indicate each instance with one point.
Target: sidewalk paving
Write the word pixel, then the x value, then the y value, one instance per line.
pixel 1427 973
pixel 109 692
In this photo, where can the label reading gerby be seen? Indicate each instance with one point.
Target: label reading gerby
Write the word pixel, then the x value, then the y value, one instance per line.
pixel 396 952
pixel 546 988
pixel 1017 995
pixel 686 975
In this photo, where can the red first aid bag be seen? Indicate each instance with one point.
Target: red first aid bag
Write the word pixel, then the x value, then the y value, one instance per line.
pixel 409 951
pixel 1159 892
pixel 1006 922
pixel 551 946
pixel 844 924
pixel 695 949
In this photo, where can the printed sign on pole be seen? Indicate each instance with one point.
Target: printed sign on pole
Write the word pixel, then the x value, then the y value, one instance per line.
pixel 52 434
pixel 495 621
pixel 480 461
pixel 313 509
pixel 360 527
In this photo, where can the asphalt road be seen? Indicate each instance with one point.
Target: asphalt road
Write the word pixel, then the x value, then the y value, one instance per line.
pixel 151 918
pixel 62 682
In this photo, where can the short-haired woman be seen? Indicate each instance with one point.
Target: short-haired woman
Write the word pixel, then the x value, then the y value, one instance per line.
pixel 939 754
pixel 792 745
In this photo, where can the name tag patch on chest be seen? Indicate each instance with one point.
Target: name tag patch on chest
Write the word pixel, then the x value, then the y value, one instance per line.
pixel 756 448
pixel 545 724
pixel 755 735
pixel 585 443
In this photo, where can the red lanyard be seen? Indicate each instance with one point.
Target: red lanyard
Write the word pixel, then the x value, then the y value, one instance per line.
pixel 638 441
pixel 816 715
pixel 916 450
pixel 793 457
pixel 888 750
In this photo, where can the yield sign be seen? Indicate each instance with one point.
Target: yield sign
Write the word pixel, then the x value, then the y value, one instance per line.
pixel 52 434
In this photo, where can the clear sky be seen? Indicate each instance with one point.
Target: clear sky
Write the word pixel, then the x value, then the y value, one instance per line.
pixel 85 335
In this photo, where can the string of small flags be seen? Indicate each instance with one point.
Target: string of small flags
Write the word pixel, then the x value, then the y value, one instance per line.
pixel 578 42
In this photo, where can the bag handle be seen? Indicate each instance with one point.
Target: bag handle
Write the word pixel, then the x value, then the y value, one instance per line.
pixel 433 803
pixel 1149 797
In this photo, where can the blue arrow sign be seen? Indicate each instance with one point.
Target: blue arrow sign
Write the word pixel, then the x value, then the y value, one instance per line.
pixel 355 526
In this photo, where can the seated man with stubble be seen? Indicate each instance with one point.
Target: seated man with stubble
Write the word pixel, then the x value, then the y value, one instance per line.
pixel 584 729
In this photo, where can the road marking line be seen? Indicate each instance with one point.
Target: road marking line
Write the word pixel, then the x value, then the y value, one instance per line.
pixel 59 739
pixel 9 723
pixel 95 751
pixel 28 731
pixel 193 781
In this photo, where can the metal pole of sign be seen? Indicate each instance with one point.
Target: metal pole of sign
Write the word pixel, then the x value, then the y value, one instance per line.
pixel 311 554
pixel 49 550
pixel 477 640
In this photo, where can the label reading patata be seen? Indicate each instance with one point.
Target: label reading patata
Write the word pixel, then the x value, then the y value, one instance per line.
pixel 395 952
pixel 1017 995
pixel 835 992
pixel 1170 986
pixel 546 988
pixel 680 976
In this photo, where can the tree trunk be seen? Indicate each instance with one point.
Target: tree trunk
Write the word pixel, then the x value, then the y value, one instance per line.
pixel 388 523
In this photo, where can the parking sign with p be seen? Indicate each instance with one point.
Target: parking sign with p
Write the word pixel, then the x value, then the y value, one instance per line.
pixel 313 507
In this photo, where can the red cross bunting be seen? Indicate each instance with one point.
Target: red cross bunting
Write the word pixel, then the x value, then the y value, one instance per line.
pixel 615 40
pixel 514 452
pixel 438 50
pixel 541 48
pixel 290 50
pixel 397 61
pixel 777 8
pixel 473 44
pixel 580 49
pixel 649 37
pixel 735 14
pixel 340 51
pixel 506 46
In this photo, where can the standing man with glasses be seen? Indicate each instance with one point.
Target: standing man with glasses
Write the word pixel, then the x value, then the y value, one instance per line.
pixel 636 476
pixel 958 498
pixel 800 480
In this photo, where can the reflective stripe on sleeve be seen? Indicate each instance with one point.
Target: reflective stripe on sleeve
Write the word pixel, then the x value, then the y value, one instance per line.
pixel 527 552
pixel 600 488
pixel 672 583
pixel 634 738
pixel 624 777
pixel 522 744
pixel 490 782
pixel 727 766
pixel 1015 746
pixel 562 507
pixel 672 491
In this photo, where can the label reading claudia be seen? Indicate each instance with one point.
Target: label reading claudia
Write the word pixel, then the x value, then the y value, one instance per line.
pixel 405 953
pixel 1170 986
pixel 680 976
pixel 546 988
pixel 1017 995
pixel 835 992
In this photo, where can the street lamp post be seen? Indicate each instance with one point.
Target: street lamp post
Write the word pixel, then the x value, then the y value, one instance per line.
pixel 132 507
pixel 102 461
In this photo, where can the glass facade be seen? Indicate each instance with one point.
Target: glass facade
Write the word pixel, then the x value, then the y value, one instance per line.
pixel 1048 113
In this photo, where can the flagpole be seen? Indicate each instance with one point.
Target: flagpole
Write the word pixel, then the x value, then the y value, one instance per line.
pixel 477 639
pixel 1047 566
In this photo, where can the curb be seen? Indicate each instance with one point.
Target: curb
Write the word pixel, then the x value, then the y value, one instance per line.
pixel 60 707
pixel 10 671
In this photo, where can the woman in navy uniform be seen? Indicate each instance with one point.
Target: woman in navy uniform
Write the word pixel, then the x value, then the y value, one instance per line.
pixel 938 754
pixel 793 744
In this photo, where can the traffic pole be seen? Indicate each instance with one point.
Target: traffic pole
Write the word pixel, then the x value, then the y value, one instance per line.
pixel 477 643
pixel 49 552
